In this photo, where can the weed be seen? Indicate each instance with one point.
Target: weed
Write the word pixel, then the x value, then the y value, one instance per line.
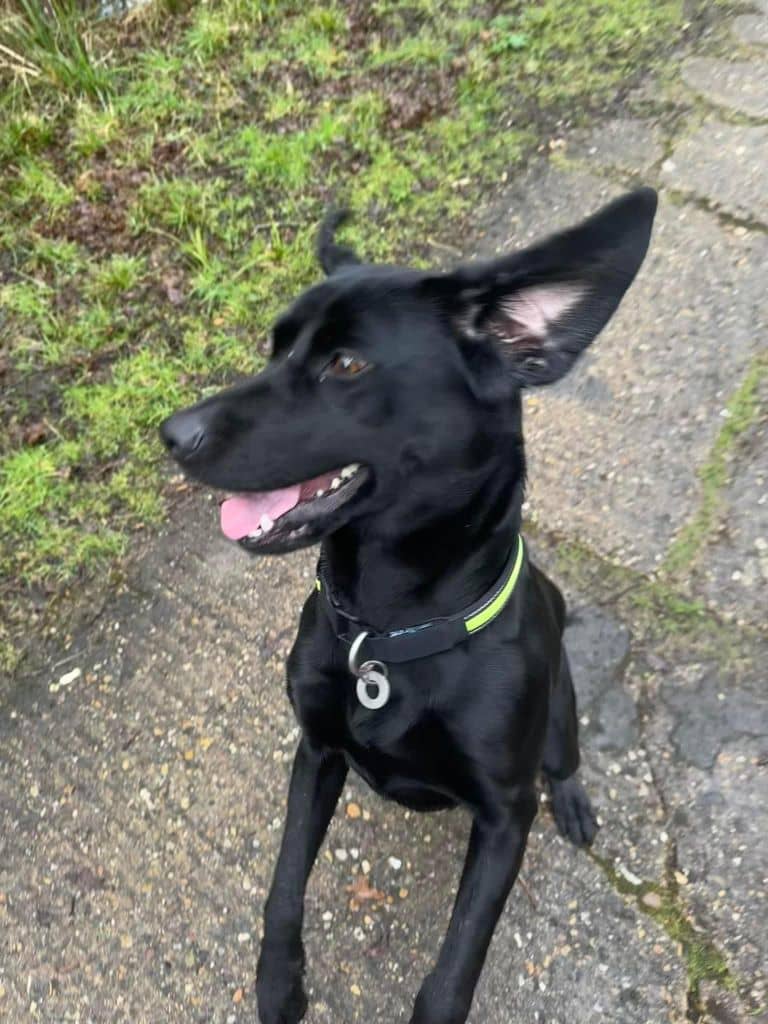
pixel 508 38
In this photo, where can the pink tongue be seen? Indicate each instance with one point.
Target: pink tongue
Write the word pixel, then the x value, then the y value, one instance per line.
pixel 242 515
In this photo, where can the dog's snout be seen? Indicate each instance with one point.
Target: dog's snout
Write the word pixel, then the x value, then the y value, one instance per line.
pixel 183 434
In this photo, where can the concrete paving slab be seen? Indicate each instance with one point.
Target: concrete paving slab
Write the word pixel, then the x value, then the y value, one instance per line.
pixel 142 803
pixel 640 412
pixel 751 29
pixel 629 144
pixel 740 86
pixel 709 742
pixel 696 167
pixel 732 573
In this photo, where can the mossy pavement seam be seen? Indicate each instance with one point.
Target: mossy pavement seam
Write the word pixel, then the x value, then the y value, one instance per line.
pixel 743 410
pixel 664 904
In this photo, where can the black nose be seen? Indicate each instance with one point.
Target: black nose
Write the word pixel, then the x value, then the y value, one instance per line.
pixel 183 434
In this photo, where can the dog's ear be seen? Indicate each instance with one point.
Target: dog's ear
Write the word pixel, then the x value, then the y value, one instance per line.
pixel 542 307
pixel 331 255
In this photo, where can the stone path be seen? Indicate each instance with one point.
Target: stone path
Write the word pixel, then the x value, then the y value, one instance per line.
pixel 144 766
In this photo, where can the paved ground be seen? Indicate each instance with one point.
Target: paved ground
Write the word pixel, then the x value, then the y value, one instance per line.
pixel 144 765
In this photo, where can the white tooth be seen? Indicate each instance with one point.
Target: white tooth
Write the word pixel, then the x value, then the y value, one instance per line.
pixel 347 472
pixel 319 494
pixel 266 523
pixel 336 482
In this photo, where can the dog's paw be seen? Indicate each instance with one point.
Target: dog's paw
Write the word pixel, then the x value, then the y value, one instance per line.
pixel 573 812
pixel 280 989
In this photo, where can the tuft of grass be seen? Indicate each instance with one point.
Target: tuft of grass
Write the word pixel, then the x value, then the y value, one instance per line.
pixel 177 204
pixel 23 132
pixel 50 39
pixel 423 49
pixel 116 275
pixel 60 257
pixel 37 185
pixel 209 33
pixel 152 97
pixel 94 128
pixel 315 41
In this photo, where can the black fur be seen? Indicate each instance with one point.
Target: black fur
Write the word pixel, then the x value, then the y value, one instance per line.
pixel 433 415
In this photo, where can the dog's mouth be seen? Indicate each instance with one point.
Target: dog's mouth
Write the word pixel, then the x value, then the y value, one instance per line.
pixel 259 519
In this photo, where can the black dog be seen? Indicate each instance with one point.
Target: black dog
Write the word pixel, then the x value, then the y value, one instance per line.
pixel 388 426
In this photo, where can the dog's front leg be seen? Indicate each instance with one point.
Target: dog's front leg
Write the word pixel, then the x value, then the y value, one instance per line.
pixel 493 860
pixel 316 783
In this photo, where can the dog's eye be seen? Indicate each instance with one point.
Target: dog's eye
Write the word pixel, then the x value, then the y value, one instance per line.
pixel 345 365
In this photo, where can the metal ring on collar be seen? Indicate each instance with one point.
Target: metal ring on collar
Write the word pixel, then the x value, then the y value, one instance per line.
pixel 354 650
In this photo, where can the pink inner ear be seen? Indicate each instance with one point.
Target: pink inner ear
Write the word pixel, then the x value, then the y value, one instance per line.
pixel 531 311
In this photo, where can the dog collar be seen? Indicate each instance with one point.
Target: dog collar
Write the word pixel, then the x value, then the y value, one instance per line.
pixel 427 638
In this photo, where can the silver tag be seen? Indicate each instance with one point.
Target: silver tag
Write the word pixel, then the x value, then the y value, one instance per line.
pixel 373 688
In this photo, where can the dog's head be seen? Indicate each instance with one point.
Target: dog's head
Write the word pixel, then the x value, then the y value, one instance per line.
pixel 394 389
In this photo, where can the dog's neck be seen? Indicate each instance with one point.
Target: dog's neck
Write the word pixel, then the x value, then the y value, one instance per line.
pixel 433 570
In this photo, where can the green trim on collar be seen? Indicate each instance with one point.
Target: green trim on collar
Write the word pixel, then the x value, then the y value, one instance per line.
pixel 481 619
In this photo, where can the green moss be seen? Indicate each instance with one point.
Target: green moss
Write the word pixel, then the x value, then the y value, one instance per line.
pixel 742 411
pixel 118 414
pixel 29 300
pixel 702 958
pixel 28 478
pixel 653 604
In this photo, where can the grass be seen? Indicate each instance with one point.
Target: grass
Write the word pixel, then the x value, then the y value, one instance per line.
pixel 161 182
pixel 51 40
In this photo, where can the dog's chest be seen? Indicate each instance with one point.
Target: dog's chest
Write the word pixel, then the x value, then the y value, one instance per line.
pixel 404 750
